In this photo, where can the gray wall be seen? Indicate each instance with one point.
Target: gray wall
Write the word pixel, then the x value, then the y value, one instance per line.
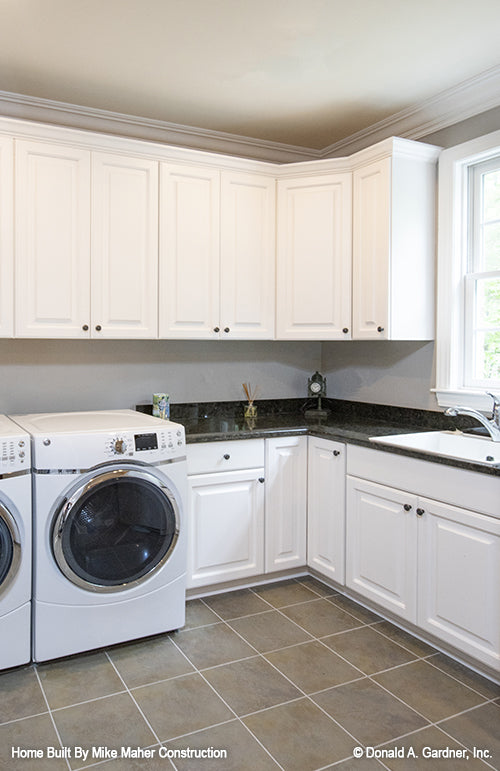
pixel 59 375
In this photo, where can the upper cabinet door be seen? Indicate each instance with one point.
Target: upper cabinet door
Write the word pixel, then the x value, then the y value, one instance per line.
pixel 189 251
pixel 371 250
pixel 247 260
pixel 314 258
pixel 124 246
pixel 52 218
pixel 6 238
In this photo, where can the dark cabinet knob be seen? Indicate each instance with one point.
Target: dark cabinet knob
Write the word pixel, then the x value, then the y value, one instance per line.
pixel 261 480
pixel 336 453
pixel 216 329
pixel 345 330
pixel 85 327
pixel 226 456
pixel 420 512
pixel 226 329
pixel 407 507
pixel 380 329
pixel 98 327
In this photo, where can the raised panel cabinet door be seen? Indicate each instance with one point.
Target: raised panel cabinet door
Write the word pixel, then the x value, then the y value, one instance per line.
pixel 326 508
pixel 189 251
pixel 247 301
pixel 314 258
pixel 124 246
pixel 52 240
pixel 286 503
pixel 381 553
pixel 226 526
pixel 371 250
pixel 459 579
pixel 6 237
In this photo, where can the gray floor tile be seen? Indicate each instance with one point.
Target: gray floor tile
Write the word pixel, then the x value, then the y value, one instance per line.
pixel 368 712
pixel 321 617
pixel 251 685
pixel 285 593
pixel 485 687
pixel 35 733
pixel 368 650
pixel 300 736
pixel 212 645
pixel 113 721
pixel 83 677
pixel 244 753
pixel 182 705
pixel 398 635
pixel 479 728
pixel 268 631
pixel 429 691
pixel 20 695
pixel 198 614
pixel 358 764
pixel 322 590
pixel 363 614
pixel 148 661
pixel 235 604
pixel 313 667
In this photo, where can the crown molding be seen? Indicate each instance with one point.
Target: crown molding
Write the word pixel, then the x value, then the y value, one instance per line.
pixel 468 98
pixel 40 110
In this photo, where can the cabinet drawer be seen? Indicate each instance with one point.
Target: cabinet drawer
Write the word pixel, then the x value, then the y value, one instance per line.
pixel 205 458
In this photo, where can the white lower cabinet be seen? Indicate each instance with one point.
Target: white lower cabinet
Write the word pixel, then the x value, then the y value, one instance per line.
pixel 286 503
pixel 431 563
pixel 226 511
pixel 326 508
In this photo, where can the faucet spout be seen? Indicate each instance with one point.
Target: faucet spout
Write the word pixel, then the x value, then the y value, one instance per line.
pixel 490 425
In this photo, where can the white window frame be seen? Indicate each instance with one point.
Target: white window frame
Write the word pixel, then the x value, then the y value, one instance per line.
pixel 454 166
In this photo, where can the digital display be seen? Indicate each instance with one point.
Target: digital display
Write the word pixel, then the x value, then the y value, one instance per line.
pixel 146 442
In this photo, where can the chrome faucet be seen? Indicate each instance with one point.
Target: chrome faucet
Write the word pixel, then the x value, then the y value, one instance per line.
pixel 491 425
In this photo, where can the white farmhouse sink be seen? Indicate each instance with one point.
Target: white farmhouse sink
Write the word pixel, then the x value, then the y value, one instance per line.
pixel 449 444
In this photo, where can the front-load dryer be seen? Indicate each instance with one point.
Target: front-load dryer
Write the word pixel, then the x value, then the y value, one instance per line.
pixel 15 545
pixel 109 536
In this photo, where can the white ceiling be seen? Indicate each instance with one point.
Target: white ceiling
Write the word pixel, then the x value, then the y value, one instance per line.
pixel 303 72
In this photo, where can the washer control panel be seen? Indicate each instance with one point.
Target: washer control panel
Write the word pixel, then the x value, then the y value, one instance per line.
pixel 14 454
pixel 147 445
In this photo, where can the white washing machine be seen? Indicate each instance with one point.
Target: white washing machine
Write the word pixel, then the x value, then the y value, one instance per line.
pixel 15 545
pixel 109 535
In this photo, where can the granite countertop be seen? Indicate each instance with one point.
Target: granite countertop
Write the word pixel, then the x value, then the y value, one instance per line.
pixel 351 422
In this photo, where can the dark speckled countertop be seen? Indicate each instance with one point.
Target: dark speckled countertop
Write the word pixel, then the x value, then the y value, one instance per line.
pixel 351 422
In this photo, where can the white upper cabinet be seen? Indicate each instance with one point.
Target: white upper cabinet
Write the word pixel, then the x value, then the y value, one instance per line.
pixel 67 284
pixel 52 219
pixel 247 260
pixel 189 251
pixel 6 238
pixel 314 258
pixel 216 253
pixel 394 241
pixel 124 266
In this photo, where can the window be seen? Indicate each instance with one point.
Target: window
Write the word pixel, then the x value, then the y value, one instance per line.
pixel 468 328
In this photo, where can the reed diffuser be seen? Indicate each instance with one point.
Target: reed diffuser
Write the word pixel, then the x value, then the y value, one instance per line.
pixel 250 408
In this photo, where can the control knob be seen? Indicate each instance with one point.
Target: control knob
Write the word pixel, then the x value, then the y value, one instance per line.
pixel 119 446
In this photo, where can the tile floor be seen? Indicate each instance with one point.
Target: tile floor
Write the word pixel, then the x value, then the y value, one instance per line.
pixel 288 676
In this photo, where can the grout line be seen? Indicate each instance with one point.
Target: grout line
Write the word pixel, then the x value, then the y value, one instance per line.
pixel 50 713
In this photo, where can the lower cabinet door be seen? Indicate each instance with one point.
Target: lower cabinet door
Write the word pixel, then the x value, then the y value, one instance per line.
pixel 381 555
pixel 326 508
pixel 459 579
pixel 286 503
pixel 226 526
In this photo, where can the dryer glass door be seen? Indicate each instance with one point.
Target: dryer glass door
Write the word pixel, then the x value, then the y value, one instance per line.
pixel 10 548
pixel 116 530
